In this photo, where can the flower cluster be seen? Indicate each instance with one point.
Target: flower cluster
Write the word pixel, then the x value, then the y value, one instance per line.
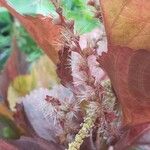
pixel 57 111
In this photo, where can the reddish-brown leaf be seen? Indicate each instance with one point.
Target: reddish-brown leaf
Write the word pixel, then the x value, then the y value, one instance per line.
pixel 129 73
pixel 135 138
pixel 15 65
pixel 41 28
pixel 128 29
pixel 127 22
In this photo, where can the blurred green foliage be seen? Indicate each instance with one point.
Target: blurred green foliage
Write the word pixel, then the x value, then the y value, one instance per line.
pixel 5 36
pixel 8 29
pixel 79 11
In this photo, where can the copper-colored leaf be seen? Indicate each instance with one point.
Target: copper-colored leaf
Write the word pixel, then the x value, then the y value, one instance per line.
pixel 128 29
pixel 127 22
pixel 129 73
pixel 41 28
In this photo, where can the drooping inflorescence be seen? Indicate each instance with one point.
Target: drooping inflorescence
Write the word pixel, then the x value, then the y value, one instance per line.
pixel 89 120
pixel 65 117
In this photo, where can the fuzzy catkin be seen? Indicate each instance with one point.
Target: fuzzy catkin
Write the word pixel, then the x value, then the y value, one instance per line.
pixel 89 121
